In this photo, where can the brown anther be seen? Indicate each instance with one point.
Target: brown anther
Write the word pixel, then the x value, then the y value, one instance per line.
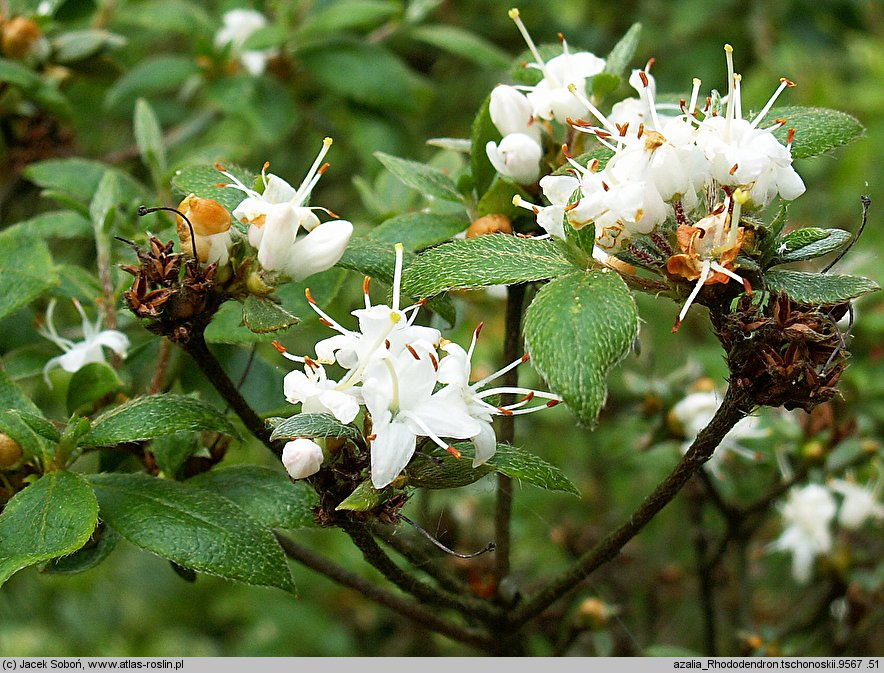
pixel 594 166
pixel 605 186
pixel 602 134
pixel 528 397
pixel 790 136
pixel 323 168
pixel 279 347
pixel 266 166
pixel 622 129
pixel 504 411
pixel 309 296
pixel 553 403
pixel 366 283
pixel 654 140
pixel 222 185
pixel 734 169
pixel 566 152
pixel 413 352
pixel 561 37
pixel 454 452
pixel 422 302
pixel 310 362
pixel 371 437
pixel 644 78
pixel 572 206
pixel 434 360
pixel 682 105
pixel 526 357
pixel 220 167
pixel 333 214
pixel 478 329
pixel 387 343
pixel 641 130
pixel 650 63
pixel 326 322
pixel 780 120
pixel 495 223
pixel 789 82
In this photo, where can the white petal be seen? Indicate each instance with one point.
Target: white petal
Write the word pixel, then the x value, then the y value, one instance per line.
pixel 485 443
pixel 391 450
pixel 116 341
pixel 279 235
pixel 302 457
pixel 319 250
pixel 511 112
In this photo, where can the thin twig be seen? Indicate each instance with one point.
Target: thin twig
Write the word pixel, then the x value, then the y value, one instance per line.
pixel 370 590
pixel 708 615
pixel 424 592
pixel 734 407
pixel 158 382
pixel 418 559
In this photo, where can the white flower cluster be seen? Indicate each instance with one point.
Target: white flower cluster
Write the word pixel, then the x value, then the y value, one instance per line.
pixel 700 168
pixel 518 154
pixel 287 234
pixel 239 25
pixel 410 381
pixel 808 514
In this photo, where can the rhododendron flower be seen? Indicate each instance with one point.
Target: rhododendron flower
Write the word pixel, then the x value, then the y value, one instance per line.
pixel 78 354
pixel 517 157
pixel 239 25
pixel 807 516
pixel 860 503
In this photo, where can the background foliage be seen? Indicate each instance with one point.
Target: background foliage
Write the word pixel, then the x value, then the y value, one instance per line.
pixel 385 75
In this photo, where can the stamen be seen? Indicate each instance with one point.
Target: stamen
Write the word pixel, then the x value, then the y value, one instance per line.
pixel 784 83
pixel 324 318
pixel 592 108
pixel 366 283
pixel 704 275
pixel 312 176
pixel 695 92
pixel 434 360
pixel 738 100
pixel 475 338
pixel 790 136
pixel 729 56
pixel 397 275
pixel 454 452
pixel 500 372
pixel 514 15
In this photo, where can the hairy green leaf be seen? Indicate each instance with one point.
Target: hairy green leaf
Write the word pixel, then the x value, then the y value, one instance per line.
pixel 26 270
pixel 261 315
pixel 52 517
pixel 172 451
pixel 193 527
pixel 78 179
pixel 621 55
pixel 348 15
pixel 90 383
pixel 425 179
pixel 817 130
pixel 313 425
pixel 809 243
pixel 818 289
pixel 149 138
pixel 417 231
pixel 61 224
pixel 268 496
pixel 12 397
pixel 152 75
pixel 88 556
pixel 366 497
pixel 482 132
pixel 576 329
pixel 484 260
pixel 204 181
pixel 154 416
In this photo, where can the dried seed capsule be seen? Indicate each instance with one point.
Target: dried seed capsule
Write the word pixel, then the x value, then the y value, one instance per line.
pixel 490 224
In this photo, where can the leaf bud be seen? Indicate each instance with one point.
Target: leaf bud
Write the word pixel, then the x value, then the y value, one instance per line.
pixel 490 224
pixel 10 451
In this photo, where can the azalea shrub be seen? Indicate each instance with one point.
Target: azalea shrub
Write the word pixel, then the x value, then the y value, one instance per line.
pixel 253 325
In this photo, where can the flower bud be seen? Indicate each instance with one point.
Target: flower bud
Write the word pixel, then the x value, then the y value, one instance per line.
pixel 22 38
pixel 490 224
pixel 595 614
pixel 511 112
pixel 517 157
pixel 10 451
pixel 302 457
pixel 211 226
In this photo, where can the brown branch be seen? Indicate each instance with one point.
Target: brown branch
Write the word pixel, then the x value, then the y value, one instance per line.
pixel 158 382
pixel 734 407
pixel 419 559
pixel 398 604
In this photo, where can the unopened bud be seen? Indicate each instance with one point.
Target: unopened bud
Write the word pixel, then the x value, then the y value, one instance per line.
pixel 302 457
pixel 10 451
pixel 20 36
pixel 490 224
pixel 595 613
pixel 208 217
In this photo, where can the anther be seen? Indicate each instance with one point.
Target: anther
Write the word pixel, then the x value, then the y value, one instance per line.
pixel 434 360
pixel 454 452
pixel 309 296
pixel 553 403
pixel 327 322
pixel 371 437
pixel 366 283
pixel 644 78
pixel 526 357
pixel 279 347
pixel 734 169
pixel 504 411
pixel 413 352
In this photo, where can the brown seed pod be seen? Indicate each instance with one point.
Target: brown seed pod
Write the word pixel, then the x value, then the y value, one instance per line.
pixel 19 35
pixel 490 224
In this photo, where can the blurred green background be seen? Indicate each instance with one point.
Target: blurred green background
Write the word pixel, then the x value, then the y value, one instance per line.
pixel 134 604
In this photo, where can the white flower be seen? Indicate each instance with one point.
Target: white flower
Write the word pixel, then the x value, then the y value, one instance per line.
pixel 239 25
pixel 511 112
pixel 302 457
pixel 398 393
pixel 81 353
pixel 317 393
pixel 550 98
pixel 288 235
pixel 859 503
pixel 517 157
pixel 741 154
pixel 694 412
pixel 454 372
pixel 807 515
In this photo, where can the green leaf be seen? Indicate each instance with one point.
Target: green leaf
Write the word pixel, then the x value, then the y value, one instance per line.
pixel 623 52
pixel 445 471
pixel 427 180
pixel 377 260
pixel 153 75
pixel 348 15
pixel 366 497
pixel 77 45
pixel 818 289
pixel 817 130
pixel 149 138
pixel 105 200
pixel 204 180
pixel 483 131
pixel 90 383
pixel 525 466
pixel 266 37
pixel 38 424
pixel 521 74
pixel 809 243
pixel 172 451
pixel 26 270
pixel 77 282
pixel 61 224
pixel 12 397
pixel 313 425
pixel 499 199
pixel 262 316
pixel 87 557
pixel 14 425
pixel 599 86
pixel 576 329
pixel 375 77
pixel 154 416
pixel 417 231
pixel 168 16
pixel 268 496
pixel 79 178
pixel 18 74
pixel 484 260
pixel 193 527
pixel 52 517
pixel 462 43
